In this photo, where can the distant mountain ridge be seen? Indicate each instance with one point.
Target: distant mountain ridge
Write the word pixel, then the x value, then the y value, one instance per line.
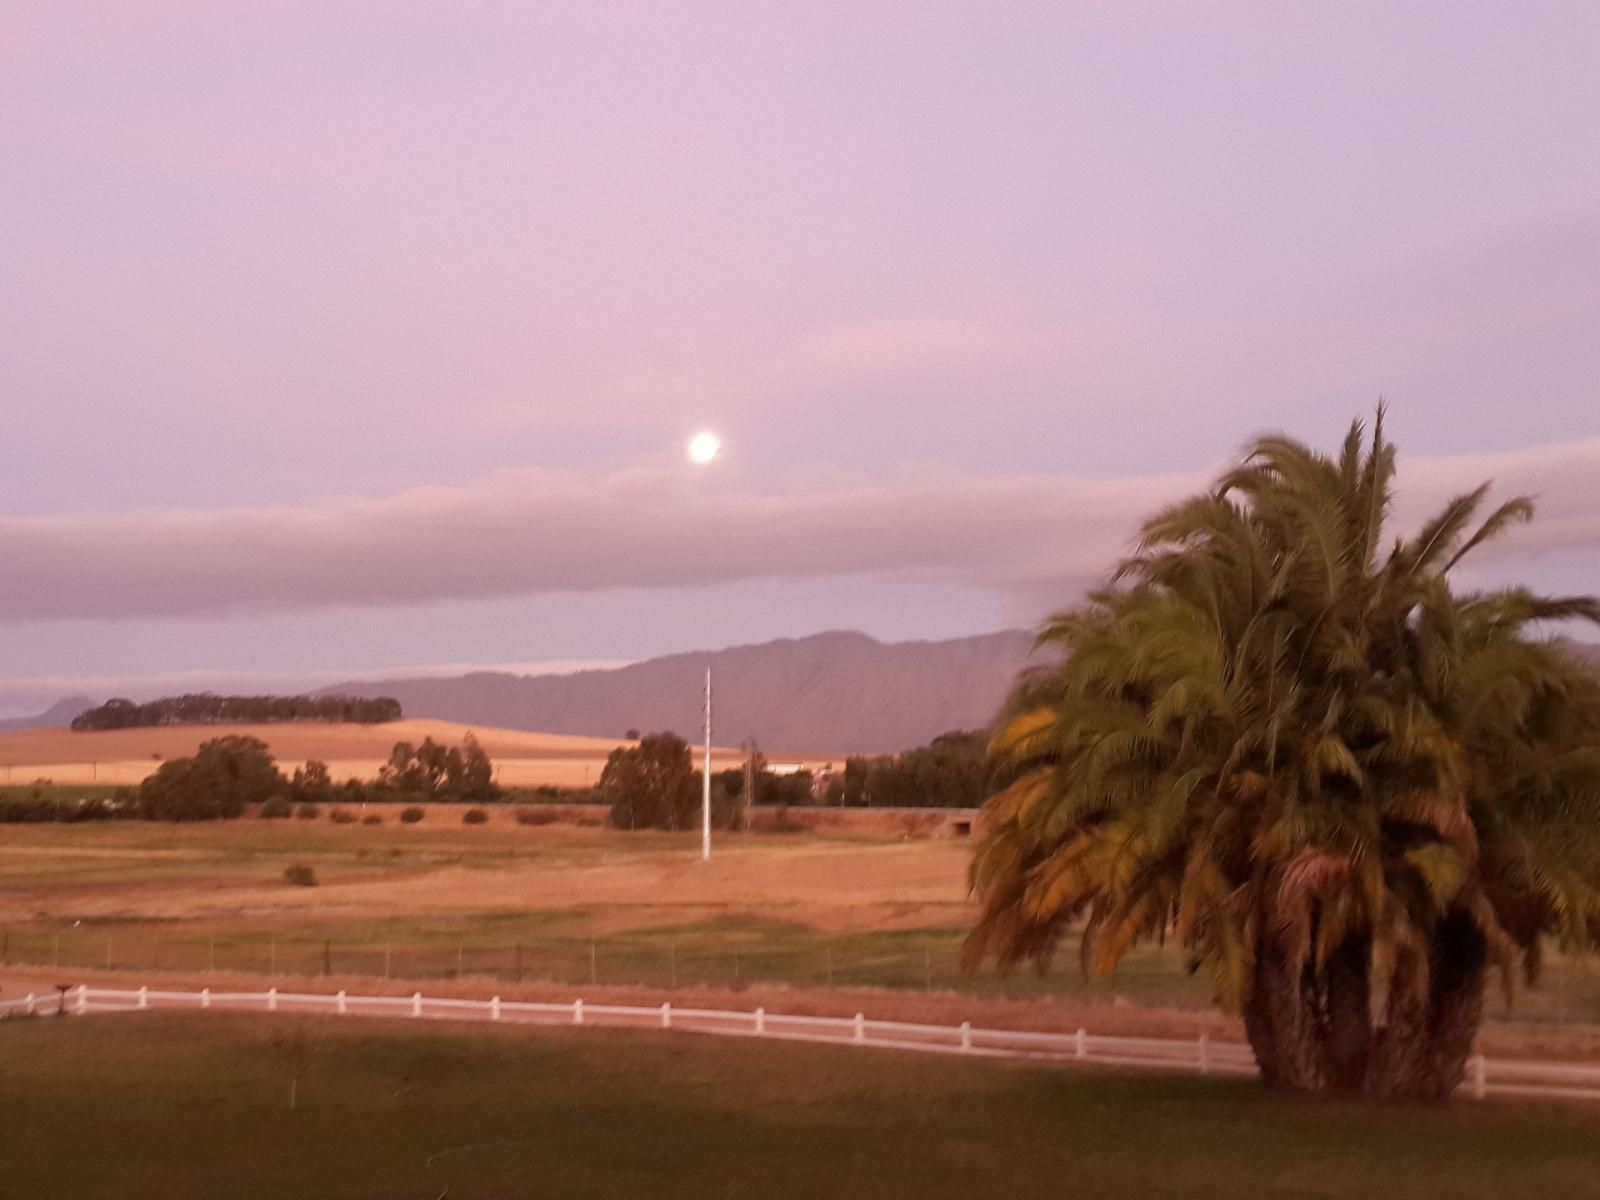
pixel 58 716
pixel 830 693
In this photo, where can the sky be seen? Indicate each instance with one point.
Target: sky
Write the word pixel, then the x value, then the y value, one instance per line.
pixel 348 338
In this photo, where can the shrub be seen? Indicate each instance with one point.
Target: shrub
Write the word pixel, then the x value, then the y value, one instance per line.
pixel 412 815
pixel 275 808
pixel 342 816
pixel 308 812
pixel 474 816
pixel 372 819
pixel 535 816
pixel 300 875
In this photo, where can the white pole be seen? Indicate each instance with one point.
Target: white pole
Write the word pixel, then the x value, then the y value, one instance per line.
pixel 705 793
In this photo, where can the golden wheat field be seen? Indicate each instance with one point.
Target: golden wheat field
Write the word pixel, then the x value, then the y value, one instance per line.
pixel 126 756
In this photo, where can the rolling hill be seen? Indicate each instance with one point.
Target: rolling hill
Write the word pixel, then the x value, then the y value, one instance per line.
pixel 125 756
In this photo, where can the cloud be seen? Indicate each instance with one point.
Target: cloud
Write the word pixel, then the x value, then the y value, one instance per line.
pixel 543 532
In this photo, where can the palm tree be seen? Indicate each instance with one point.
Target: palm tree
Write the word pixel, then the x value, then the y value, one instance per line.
pixel 1345 789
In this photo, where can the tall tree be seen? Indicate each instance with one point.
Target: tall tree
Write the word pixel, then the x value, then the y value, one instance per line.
pixel 651 785
pixel 1347 789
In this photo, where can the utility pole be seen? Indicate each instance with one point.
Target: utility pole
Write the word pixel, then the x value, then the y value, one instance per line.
pixel 705 779
pixel 749 782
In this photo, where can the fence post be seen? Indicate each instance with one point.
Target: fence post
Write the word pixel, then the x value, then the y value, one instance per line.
pixel 861 1029
pixel 83 998
pixel 272 999
pixel 666 1014
pixel 1205 1055
pixel 30 1004
pixel 144 997
pixel 338 1003
pixel 1081 1050
pixel 416 1004
pixel 761 1022
pixel 1480 1077
pixel 205 997
pixel 494 1008
pixel 966 1035
pixel 577 1012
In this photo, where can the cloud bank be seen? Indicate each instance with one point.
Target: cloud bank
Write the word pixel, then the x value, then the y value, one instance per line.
pixel 543 532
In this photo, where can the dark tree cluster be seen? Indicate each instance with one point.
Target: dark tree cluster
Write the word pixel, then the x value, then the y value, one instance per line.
pixel 652 785
pixel 435 772
pixel 952 771
pixel 224 776
pixel 768 789
pixel 207 708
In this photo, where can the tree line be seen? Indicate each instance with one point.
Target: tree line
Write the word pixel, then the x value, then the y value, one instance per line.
pixel 952 771
pixel 655 784
pixel 208 708
pixel 228 775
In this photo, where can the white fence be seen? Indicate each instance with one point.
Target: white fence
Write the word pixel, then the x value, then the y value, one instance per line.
pixel 1485 1076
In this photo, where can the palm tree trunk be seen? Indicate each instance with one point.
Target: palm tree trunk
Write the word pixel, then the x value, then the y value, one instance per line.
pixel 1281 1024
pixel 1349 1014
pixel 1314 1031
pixel 1420 1052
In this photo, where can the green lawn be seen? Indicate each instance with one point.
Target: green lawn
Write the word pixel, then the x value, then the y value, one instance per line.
pixel 173 1106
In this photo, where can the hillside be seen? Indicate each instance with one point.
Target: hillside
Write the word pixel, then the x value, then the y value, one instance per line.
pixel 832 693
pixel 521 759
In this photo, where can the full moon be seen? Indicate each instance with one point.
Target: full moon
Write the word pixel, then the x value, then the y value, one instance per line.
pixel 704 447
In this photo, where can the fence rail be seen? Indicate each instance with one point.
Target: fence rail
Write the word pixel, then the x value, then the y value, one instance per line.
pixel 1485 1076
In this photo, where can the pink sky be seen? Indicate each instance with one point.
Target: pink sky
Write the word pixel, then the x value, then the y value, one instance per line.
pixel 341 336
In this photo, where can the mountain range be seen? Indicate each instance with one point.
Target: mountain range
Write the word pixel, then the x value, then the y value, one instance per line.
pixel 831 693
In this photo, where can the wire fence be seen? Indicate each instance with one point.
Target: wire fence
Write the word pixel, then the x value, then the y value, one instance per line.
pixel 1485 1076
pixel 711 956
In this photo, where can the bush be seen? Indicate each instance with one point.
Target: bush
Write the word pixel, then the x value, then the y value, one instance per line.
pixel 342 816
pixel 276 808
pixel 372 819
pixel 43 803
pixel 411 815
pixel 300 875
pixel 535 816
pixel 308 812
pixel 474 816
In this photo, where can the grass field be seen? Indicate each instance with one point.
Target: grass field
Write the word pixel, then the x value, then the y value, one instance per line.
pixel 125 756
pixel 177 1106
pixel 494 906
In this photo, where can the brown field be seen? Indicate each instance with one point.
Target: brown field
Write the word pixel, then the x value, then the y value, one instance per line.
pixel 812 922
pixel 126 756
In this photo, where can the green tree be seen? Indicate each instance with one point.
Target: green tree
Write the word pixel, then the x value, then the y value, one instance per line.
pixel 433 771
pixel 312 783
pixel 224 775
pixel 1345 788
pixel 652 785
pixel 474 777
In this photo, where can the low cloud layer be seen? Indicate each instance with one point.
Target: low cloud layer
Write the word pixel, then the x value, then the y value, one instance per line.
pixel 526 533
